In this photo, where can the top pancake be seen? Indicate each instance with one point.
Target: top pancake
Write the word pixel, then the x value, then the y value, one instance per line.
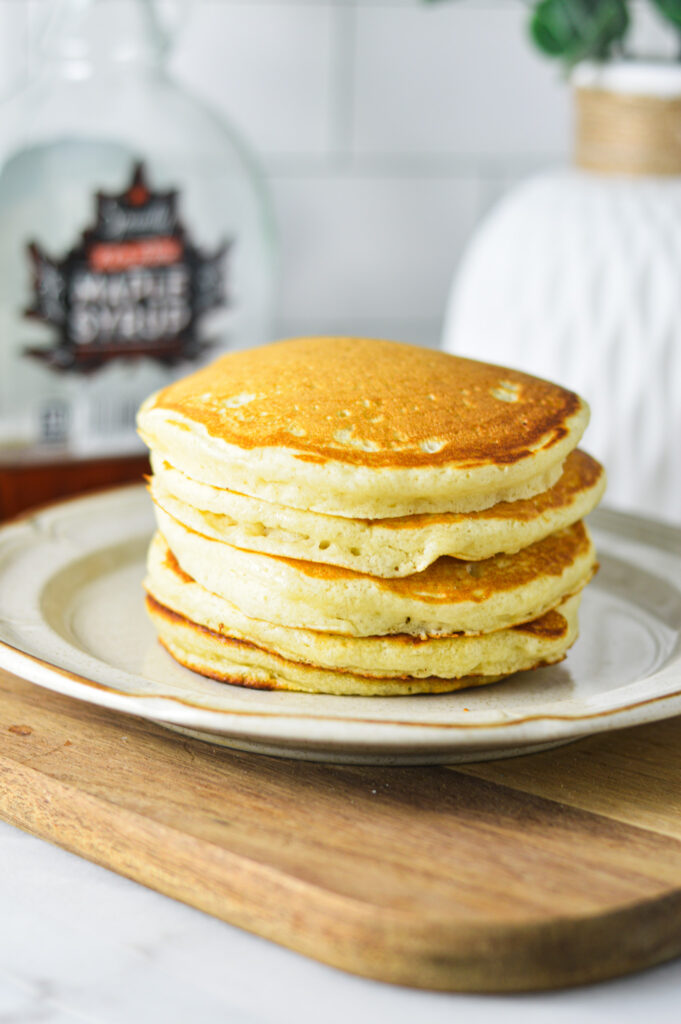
pixel 359 427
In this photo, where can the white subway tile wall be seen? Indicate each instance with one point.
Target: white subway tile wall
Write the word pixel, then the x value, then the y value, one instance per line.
pixel 454 79
pixel 270 67
pixel 386 129
pixel 13 46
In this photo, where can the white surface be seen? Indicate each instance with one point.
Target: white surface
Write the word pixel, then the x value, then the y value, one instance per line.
pixel 79 943
pixel 72 613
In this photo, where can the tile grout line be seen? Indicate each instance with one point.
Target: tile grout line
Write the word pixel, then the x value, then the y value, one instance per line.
pixel 399 165
pixel 343 28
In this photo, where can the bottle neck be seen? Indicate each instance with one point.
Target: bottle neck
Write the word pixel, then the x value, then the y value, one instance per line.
pixel 84 36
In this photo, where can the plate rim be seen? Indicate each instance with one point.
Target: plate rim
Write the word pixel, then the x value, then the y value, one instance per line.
pixel 518 731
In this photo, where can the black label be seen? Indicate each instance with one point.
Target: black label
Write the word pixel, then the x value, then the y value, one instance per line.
pixel 133 286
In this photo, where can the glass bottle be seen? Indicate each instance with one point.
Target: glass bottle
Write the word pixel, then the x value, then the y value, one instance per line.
pixel 136 235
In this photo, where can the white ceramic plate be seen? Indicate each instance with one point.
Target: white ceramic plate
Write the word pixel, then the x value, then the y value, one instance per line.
pixel 72 619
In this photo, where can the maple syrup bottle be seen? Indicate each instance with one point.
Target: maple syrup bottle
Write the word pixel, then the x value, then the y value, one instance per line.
pixel 135 236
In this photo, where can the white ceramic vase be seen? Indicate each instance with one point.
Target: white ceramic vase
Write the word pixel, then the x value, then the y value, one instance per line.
pixel 576 276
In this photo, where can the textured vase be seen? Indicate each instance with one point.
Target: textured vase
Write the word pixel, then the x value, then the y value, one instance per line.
pixel 576 276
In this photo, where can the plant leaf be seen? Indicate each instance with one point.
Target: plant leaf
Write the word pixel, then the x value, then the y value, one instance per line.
pixel 670 9
pixel 578 29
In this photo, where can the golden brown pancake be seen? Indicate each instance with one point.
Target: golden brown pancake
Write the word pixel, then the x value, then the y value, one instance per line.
pixel 374 656
pixel 449 596
pixel 355 516
pixel 311 394
pixel 365 428
pixel 399 546
pixel 242 663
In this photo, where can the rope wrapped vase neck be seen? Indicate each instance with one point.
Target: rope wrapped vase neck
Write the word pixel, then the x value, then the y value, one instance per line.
pixel 628 119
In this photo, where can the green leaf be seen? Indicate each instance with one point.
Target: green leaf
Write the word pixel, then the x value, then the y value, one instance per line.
pixel 670 9
pixel 553 28
pixel 575 30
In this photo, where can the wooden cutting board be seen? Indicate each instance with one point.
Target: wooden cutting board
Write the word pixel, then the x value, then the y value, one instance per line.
pixel 529 873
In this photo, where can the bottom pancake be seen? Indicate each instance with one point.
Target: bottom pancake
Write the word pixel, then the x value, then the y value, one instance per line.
pixel 494 656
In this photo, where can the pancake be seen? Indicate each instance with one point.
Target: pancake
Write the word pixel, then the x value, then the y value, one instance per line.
pixel 222 657
pixel 348 516
pixel 360 428
pixel 374 656
pixel 380 547
pixel 449 596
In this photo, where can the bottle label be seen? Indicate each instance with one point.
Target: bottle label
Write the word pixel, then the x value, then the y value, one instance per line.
pixel 133 286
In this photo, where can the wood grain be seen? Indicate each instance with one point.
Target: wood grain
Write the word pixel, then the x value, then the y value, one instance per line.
pixel 28 483
pixel 537 872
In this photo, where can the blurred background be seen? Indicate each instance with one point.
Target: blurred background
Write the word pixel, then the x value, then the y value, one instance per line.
pixel 388 132
pixel 386 129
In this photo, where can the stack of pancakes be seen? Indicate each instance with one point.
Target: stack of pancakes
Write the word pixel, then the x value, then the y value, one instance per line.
pixel 349 516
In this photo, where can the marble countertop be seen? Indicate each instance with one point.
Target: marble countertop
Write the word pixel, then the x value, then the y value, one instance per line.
pixel 79 943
